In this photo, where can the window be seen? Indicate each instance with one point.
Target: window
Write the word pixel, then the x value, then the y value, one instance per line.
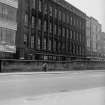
pixel 71 20
pixel 55 13
pixel 73 49
pixel 4 11
pixel 49 45
pixel 38 43
pixel 55 29
pixel 63 17
pixel 63 47
pixel 45 45
pixel 77 49
pixel 26 19
pixel 77 36
pixel 12 13
pixel 39 24
pixel 0 33
pixel 74 35
pixel 59 46
pixel 40 5
pixel 0 9
pixel 80 37
pixel 71 34
pixel 67 19
pixel 27 2
pixel 54 45
pixel 34 4
pixel 33 21
pixel 8 36
pixel 25 39
pixel 3 34
pixel 80 24
pixel 13 35
pixel 77 22
pixel 50 10
pixel 50 28
pixel 32 41
pixel 59 31
pixel 83 25
pixel 45 26
pixel 80 50
pixel 63 32
pixel 67 34
pixel 45 9
pixel 59 15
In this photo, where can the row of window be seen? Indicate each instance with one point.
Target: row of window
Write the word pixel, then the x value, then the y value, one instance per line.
pixel 46 57
pixel 61 30
pixel 69 18
pixel 6 55
pixel 7 12
pixel 78 39
pixel 74 48
pixel 7 35
pixel 26 21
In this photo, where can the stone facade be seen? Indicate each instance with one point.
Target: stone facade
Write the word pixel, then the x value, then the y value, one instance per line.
pixel 50 30
pixel 93 31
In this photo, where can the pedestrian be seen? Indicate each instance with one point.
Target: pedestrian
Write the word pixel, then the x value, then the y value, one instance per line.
pixel 44 67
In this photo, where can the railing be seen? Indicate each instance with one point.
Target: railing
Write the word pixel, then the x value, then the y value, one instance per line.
pixel 15 65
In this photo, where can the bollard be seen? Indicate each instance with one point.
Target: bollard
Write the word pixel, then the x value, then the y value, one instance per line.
pixel 0 66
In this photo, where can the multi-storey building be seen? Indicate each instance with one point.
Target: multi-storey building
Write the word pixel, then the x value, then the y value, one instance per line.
pixel 93 31
pixel 101 43
pixel 8 27
pixel 50 30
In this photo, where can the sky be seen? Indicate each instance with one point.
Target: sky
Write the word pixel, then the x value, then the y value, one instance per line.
pixel 94 8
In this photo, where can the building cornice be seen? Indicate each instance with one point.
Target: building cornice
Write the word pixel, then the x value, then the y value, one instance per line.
pixel 12 3
pixel 70 7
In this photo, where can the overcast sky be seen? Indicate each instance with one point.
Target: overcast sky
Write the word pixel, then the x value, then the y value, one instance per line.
pixel 94 8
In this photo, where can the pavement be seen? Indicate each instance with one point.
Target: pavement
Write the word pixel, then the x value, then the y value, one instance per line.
pixel 50 72
pixel 94 96
pixel 42 88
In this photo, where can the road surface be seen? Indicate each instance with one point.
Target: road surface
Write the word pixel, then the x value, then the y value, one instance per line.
pixel 20 85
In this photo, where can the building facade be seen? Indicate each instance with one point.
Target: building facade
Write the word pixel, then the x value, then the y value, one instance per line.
pixel 101 43
pixel 93 37
pixel 8 28
pixel 50 30
pixel 95 33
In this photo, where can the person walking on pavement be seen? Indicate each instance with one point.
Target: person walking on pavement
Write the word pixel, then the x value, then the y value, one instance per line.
pixel 44 67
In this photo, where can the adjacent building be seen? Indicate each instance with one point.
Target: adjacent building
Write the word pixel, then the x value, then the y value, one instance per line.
pixel 50 30
pixel 93 31
pixel 101 43
pixel 8 27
